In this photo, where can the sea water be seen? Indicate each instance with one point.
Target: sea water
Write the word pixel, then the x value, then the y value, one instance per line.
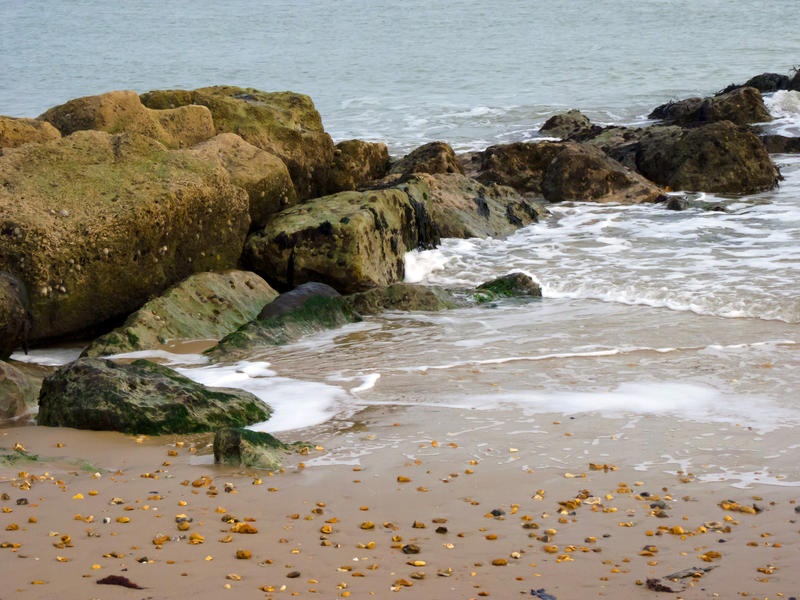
pixel 673 326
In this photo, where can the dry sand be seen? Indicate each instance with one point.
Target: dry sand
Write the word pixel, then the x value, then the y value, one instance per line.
pixel 312 540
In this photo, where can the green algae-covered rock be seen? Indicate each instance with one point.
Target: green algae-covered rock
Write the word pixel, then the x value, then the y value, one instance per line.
pixel 123 112
pixel 508 286
pixel 316 314
pixel 203 306
pixel 350 240
pixel 15 132
pixel 141 397
pixel 94 224
pixel 403 296
pixel 243 447
pixel 282 123
pixel 262 175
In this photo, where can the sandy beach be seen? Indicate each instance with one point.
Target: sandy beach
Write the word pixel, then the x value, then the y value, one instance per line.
pixel 425 512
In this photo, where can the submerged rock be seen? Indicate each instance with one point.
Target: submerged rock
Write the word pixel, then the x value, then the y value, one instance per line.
pixel 739 106
pixel 357 164
pixel 434 157
pixel 403 296
pixel 15 317
pixel 246 448
pixel 317 313
pixel 203 306
pixel 282 123
pixel 15 132
pixel 108 221
pixel 123 112
pixel 582 172
pixel 141 397
pixel 18 392
pixel 262 175
pixel 512 285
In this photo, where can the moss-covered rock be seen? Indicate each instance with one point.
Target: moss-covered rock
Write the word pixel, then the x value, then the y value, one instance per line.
pixel 295 299
pixel 583 172
pixel 718 157
pixel 508 286
pixel 141 397
pixel 357 164
pixel 434 157
pixel 94 224
pixel 262 175
pixel 282 123
pixel 316 314
pixel 781 144
pixel 403 296
pixel 739 106
pixel 203 306
pixel 15 317
pixel 18 392
pixel 520 165
pixel 246 448
pixel 461 207
pixel 350 240
pixel 15 132
pixel 123 112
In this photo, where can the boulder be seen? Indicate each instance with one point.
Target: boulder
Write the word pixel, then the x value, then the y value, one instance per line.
pixel 434 157
pixel 740 106
pixel 295 299
pixel 123 112
pixel 351 240
pixel 508 286
pixel 204 306
pixel 794 83
pixel 581 172
pixel 565 125
pixel 317 313
pixel 781 144
pixel 764 83
pixel 15 317
pixel 461 207
pixel 18 392
pixel 15 132
pixel 718 157
pixel 282 123
pixel 620 143
pixel 403 296
pixel 141 398
pixel 246 448
pixel 94 224
pixel 262 175
pixel 520 165
pixel 357 164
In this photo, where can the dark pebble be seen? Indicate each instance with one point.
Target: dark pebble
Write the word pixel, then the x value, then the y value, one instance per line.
pixel 22 501
pixel 143 559
pixel 441 530
pixel 410 549
pixel 658 504
pixel 797 509
pixel 497 512
pixel 293 574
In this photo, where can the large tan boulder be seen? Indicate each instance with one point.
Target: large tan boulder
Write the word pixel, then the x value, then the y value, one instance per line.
pixel 15 132
pixel 204 306
pixel 123 112
pixel 94 224
pixel 358 163
pixel 581 172
pixel 263 176
pixel 282 123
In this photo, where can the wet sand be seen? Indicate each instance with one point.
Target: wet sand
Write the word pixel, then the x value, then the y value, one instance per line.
pixel 419 467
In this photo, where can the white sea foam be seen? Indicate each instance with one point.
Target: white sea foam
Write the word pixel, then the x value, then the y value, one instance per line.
pixel 50 357
pixel 295 403
pixel 784 106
